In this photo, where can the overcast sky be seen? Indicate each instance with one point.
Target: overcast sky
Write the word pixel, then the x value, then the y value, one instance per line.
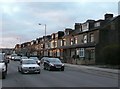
pixel 19 20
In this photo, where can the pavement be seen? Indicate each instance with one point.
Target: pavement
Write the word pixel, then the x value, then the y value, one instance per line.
pixel 115 71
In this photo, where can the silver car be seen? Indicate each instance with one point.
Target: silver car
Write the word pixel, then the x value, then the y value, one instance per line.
pixel 36 59
pixel 28 66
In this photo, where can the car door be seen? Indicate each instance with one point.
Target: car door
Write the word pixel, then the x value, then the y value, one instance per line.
pixel 46 64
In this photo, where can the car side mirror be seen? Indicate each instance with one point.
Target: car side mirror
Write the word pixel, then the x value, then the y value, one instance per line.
pixel 20 63
pixel 38 64
pixel 8 61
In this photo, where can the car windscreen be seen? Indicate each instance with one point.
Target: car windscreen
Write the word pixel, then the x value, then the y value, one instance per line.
pixel 24 57
pixel 35 58
pixel 29 62
pixel 54 61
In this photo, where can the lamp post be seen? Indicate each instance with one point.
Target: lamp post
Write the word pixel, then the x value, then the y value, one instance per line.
pixel 44 37
pixel 45 27
pixel 19 39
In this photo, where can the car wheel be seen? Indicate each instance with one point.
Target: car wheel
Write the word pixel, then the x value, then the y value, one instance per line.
pixel 3 75
pixel 62 69
pixel 22 71
pixel 49 68
pixel 44 68
pixel 18 70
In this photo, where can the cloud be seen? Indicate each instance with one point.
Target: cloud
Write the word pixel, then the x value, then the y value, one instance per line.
pixel 5 1
pixel 56 15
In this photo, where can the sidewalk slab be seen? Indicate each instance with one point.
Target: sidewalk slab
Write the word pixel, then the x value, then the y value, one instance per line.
pixel 116 71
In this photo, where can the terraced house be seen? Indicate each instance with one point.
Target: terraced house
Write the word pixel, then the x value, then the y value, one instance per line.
pixel 82 45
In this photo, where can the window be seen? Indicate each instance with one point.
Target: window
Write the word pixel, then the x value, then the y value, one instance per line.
pixel 97 24
pixel 85 27
pixel 55 43
pixel 91 37
pixel 92 54
pixel 82 52
pixel 85 39
pixel 58 53
pixel 50 53
pixel 76 41
pixel 63 42
pixel 49 45
pixel 67 33
pixel 28 45
pixel 36 41
pixel 53 36
pixel 56 35
pixel 77 51
pixel 71 41
pixel 52 44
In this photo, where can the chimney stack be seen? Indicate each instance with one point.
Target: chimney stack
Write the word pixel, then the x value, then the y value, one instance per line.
pixel 108 16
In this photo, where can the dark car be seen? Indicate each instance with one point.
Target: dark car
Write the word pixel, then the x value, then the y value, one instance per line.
pixel 53 64
pixel 43 59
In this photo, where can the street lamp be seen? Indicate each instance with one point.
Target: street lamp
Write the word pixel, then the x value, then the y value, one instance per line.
pixel 45 27
pixel 19 39
pixel 44 37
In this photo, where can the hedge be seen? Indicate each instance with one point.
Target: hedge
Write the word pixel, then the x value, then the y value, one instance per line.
pixel 111 54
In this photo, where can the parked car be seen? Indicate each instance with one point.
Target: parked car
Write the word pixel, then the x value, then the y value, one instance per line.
pixel 24 57
pixel 13 56
pixel 28 66
pixel 3 66
pixel 17 58
pixel 36 59
pixel 53 64
pixel 43 59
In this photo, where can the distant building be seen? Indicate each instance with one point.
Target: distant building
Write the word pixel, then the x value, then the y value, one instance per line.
pixel 6 50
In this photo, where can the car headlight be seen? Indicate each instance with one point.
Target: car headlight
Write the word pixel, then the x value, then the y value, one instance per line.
pixel 62 64
pixel 38 61
pixel 4 69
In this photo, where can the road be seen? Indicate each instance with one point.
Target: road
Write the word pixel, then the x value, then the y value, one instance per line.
pixel 71 77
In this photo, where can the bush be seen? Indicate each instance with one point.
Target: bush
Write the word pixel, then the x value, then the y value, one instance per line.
pixel 110 54
pixel 75 56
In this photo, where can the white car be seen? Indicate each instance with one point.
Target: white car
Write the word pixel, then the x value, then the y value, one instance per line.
pixel 28 66
pixel 17 58
pixel 3 66
pixel 24 57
